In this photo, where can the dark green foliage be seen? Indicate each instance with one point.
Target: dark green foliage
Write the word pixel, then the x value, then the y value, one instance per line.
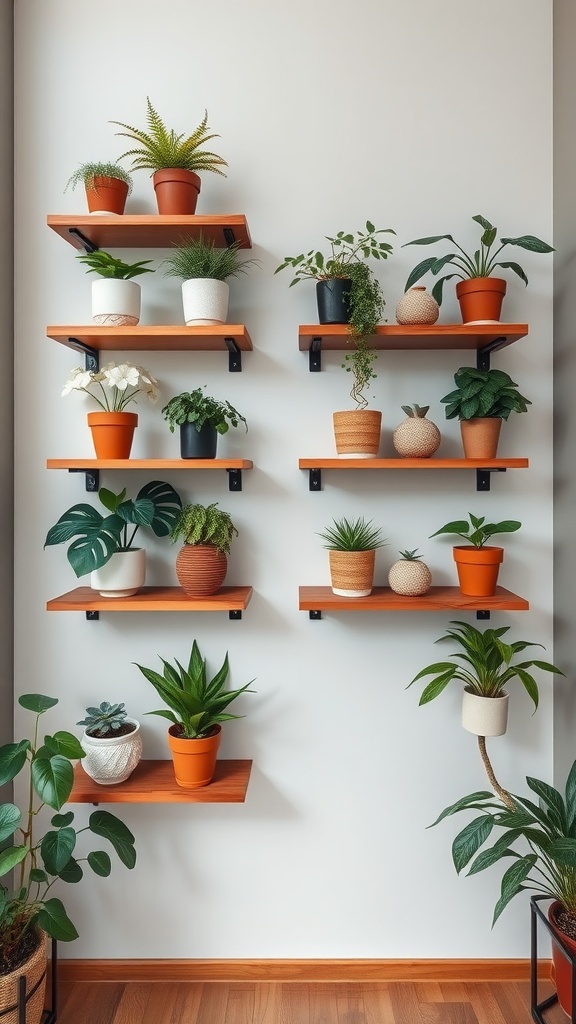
pixel 483 393
pixel 205 524
pixel 200 258
pixel 102 263
pixel 197 408
pixel 477 531
pixel 352 535
pixel 104 720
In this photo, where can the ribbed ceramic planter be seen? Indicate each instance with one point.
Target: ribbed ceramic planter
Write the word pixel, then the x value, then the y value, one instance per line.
pixel 352 572
pixel 484 716
pixel 481 299
pixel 357 433
pixel 34 970
pixel 122 576
pixel 115 303
pixel 562 968
pixel 201 569
pixel 480 437
pixel 112 760
pixel 205 301
pixel 106 195
pixel 112 433
pixel 194 760
pixel 417 306
pixel 478 569
pixel 177 190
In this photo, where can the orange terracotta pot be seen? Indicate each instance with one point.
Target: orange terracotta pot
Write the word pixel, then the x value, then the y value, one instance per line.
pixel 112 433
pixel 480 437
pixel 177 190
pixel 106 195
pixel 481 299
pixel 478 569
pixel 194 760
pixel 201 569
pixel 562 968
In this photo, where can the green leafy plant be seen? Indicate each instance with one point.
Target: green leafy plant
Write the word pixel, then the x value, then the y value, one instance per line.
pixel 159 148
pixel 105 721
pixel 477 531
pixel 488 664
pixel 86 173
pixel 483 393
pixel 481 264
pixel 347 250
pixel 39 859
pixel 200 258
pixel 205 524
pixel 95 538
pixel 197 408
pixel 196 702
pixel 352 535
pixel 102 263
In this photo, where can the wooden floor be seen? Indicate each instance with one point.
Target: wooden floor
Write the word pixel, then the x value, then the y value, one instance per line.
pixel 299 1003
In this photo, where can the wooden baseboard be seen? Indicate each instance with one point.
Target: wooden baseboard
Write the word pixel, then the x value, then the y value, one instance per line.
pixel 299 970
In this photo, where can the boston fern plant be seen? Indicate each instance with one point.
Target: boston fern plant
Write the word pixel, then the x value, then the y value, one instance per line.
pixel 352 535
pixel 477 531
pixel 88 171
pixel 197 408
pixel 102 263
pixel 159 148
pixel 483 393
pixel 200 258
pixel 205 524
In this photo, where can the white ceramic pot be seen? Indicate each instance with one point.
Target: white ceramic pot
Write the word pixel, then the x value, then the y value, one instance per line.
pixel 205 301
pixel 122 576
pixel 111 760
pixel 484 716
pixel 115 303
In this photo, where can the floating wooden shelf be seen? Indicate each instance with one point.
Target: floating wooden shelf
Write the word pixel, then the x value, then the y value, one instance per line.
pixel 152 599
pixel 153 782
pixel 399 463
pixel 383 599
pixel 398 337
pixel 152 338
pixel 82 464
pixel 150 230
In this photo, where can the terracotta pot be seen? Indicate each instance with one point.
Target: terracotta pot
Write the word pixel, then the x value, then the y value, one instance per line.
pixel 106 195
pixel 481 299
pixel 352 572
pixel 562 968
pixel 112 433
pixel 123 574
pixel 484 716
pixel 34 970
pixel 112 759
pixel 177 190
pixel 194 760
pixel 480 437
pixel 357 433
pixel 201 569
pixel 478 569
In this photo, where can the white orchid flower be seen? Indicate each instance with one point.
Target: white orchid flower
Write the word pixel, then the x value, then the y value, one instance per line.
pixel 121 376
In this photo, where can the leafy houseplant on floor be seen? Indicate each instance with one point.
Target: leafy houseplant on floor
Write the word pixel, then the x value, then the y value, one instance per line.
pixel 107 186
pixel 352 552
pixel 410 576
pixel 488 667
pixel 111 742
pixel 204 271
pixel 481 400
pixel 197 707
pixel 416 437
pixel 201 564
pixel 173 159
pixel 113 387
pixel 477 563
pixel 30 912
pixel 201 419
pixel 103 546
pixel 479 293
pixel 116 298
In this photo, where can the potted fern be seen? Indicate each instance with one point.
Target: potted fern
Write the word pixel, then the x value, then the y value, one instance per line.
pixel 352 552
pixel 107 186
pixel 204 270
pixel 201 419
pixel 173 159
pixel 202 564
pixel 111 742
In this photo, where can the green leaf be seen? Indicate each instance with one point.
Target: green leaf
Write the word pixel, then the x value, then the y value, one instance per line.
pixel 11 857
pixel 36 875
pixel 100 863
pixel 419 271
pixel 515 267
pixel 563 850
pixel 501 848
pixel 479 219
pixel 10 817
pixel 435 687
pixel 62 820
pixel 66 744
pixel 529 242
pixel 55 921
pixel 551 797
pixel 53 779
pixel 71 872
pixel 472 800
pixel 12 760
pixel 470 839
pixel 37 702
pixel 102 823
pixel 167 503
pixel 512 882
pixel 56 849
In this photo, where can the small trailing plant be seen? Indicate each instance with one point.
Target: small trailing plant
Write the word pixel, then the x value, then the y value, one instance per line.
pixel 196 702
pixel 114 386
pixel 352 535
pixel 488 664
pixel 197 408
pixel 201 258
pixel 482 263
pixel 483 393
pixel 106 721
pixel 86 173
pixel 477 531
pixel 108 266
pixel 347 250
pixel 95 538
pixel 159 147
pixel 204 524
pixel 40 858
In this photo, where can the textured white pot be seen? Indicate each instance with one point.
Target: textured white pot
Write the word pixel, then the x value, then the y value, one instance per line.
pixel 112 760
pixel 205 301
pixel 484 716
pixel 122 576
pixel 115 303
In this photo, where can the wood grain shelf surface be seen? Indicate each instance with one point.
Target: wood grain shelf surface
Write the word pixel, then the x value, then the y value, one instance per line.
pixel 399 463
pixel 152 599
pixel 160 231
pixel 80 464
pixel 398 337
pixel 383 599
pixel 153 782
pixel 152 337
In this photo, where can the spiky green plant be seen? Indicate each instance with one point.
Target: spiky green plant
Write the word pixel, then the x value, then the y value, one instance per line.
pixel 105 719
pixel 477 531
pixel 410 556
pixel 205 524
pixel 197 703
pixel 200 258
pixel 352 535
pixel 483 393
pixel 102 263
pixel 88 171
pixel 158 148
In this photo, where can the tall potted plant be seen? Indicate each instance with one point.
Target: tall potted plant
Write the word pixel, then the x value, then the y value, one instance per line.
pixel 107 186
pixel 201 419
pixel 481 400
pixel 204 271
pixel 352 548
pixel 116 297
pixel 201 564
pixel 477 562
pixel 173 159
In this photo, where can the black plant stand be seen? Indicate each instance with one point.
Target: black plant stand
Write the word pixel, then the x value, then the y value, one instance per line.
pixel 536 1007
pixel 50 1015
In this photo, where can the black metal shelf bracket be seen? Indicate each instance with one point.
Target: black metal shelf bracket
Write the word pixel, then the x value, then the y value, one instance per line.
pixel 483 477
pixel 315 479
pixel 536 1007
pixel 92 479
pixel 229 236
pixel 49 1015
pixel 84 241
pixel 234 479
pixel 483 614
pixel 315 615
pixel 92 616
pixel 483 354
pixel 234 356
pixel 234 614
pixel 315 355
pixel 91 355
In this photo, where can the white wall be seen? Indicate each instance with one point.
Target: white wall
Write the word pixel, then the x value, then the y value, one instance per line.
pixel 414 115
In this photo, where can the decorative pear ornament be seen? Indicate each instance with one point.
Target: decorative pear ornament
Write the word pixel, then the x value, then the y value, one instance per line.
pixel 416 437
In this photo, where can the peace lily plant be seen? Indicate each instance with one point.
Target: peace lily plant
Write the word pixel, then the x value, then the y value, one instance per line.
pixel 114 386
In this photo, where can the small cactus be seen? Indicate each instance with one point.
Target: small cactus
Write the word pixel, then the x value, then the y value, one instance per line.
pixel 108 718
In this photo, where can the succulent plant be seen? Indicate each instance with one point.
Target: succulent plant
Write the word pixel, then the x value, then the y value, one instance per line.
pixel 108 718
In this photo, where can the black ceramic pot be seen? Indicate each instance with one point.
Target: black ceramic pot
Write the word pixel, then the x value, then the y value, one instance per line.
pixel 198 444
pixel 332 298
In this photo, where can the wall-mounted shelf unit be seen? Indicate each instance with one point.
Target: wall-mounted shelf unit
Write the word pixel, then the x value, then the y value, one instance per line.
pixel 483 467
pixel 151 231
pixel 153 782
pixel 233 600
pixel 315 600
pixel 92 467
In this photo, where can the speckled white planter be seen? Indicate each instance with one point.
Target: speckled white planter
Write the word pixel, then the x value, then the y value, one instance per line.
pixel 205 301
pixel 484 716
pixel 115 303
pixel 123 574
pixel 110 761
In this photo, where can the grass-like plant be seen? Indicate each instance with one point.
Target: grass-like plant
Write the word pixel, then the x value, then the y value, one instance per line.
pixel 201 258
pixel 197 408
pixel 105 721
pixel 160 148
pixel 205 524
pixel 86 173
pixel 477 531
pixel 106 265
pixel 352 535
pixel 483 393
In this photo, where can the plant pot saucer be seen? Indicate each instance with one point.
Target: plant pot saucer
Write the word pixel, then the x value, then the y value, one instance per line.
pixel 472 323
pixel 103 213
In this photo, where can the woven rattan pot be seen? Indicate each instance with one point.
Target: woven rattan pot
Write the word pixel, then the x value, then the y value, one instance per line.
pixel 34 970
pixel 201 569
pixel 357 433
pixel 352 572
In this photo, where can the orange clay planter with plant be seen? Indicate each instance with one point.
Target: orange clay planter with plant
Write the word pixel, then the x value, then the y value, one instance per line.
pixel 481 400
pixel 477 563
pixel 202 563
pixel 107 187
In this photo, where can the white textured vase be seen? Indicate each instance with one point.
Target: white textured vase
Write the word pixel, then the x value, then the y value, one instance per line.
pixel 122 576
pixel 115 303
pixel 205 301
pixel 484 716
pixel 112 760
pixel 417 306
